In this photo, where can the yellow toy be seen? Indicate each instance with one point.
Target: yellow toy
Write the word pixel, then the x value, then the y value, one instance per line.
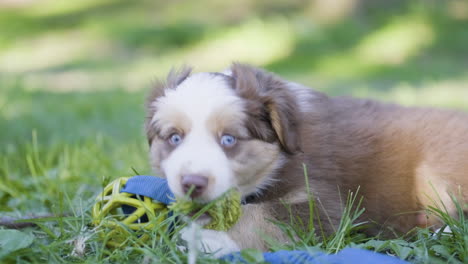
pixel 144 203
pixel 108 212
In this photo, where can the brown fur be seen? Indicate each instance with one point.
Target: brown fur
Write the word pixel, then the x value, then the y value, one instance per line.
pixel 392 153
pixel 270 105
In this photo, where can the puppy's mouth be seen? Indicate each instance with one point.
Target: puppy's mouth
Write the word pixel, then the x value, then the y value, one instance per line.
pixel 193 208
pixel 202 218
pixel 199 215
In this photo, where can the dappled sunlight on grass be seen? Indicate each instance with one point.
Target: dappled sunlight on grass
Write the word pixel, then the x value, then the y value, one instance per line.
pixel 331 11
pixel 257 42
pixel 87 46
pixel 442 93
pixel 48 51
pixel 45 8
pixel 396 42
pixel 392 44
pixel 69 81
pixel 64 61
pixel 449 94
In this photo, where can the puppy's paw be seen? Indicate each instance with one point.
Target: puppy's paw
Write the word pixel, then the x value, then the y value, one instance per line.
pixel 213 242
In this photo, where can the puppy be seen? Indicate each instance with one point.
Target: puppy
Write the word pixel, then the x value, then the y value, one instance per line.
pixel 271 138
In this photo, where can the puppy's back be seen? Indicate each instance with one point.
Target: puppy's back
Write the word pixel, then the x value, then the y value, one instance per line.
pixel 402 158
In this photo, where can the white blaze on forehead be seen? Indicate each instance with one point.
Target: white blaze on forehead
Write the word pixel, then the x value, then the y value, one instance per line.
pixel 198 99
pixel 200 95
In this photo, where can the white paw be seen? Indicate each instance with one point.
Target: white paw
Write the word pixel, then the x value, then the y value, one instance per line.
pixel 213 242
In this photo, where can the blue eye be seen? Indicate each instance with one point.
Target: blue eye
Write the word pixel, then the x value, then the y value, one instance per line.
pixel 228 140
pixel 175 139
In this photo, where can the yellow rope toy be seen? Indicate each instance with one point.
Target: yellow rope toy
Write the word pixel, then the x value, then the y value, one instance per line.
pixel 124 212
pixel 107 212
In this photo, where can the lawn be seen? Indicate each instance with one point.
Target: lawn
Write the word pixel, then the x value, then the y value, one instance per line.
pixel 74 75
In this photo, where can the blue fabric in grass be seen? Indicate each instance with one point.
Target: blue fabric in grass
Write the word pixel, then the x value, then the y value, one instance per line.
pixel 158 189
pixel 150 186
pixel 346 256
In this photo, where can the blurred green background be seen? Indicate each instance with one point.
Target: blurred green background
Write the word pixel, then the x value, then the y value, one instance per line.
pixel 74 74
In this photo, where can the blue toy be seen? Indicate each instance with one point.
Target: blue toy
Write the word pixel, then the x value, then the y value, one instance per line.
pixel 345 256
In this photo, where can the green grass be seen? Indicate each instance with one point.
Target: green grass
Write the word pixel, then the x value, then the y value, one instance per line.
pixel 74 74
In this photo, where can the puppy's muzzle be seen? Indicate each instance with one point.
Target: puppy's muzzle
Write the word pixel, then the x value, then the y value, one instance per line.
pixel 196 182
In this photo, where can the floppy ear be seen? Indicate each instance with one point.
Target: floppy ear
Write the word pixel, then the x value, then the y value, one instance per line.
pixel 271 101
pixel 174 78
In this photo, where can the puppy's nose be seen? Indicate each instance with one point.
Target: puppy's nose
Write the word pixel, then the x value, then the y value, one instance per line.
pixel 198 182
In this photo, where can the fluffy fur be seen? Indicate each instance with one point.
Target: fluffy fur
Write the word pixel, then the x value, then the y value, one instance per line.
pixel 398 156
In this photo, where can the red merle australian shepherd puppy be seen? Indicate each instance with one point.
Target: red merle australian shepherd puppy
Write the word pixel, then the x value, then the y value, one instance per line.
pixel 251 130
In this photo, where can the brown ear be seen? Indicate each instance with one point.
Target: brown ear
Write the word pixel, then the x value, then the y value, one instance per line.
pixel 270 101
pixel 174 78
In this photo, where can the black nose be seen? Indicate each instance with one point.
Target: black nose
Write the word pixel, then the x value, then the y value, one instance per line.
pixel 198 182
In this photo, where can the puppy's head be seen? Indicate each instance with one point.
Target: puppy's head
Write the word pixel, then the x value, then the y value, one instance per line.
pixel 209 132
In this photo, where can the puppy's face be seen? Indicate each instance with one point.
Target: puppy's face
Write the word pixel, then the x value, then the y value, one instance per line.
pixel 206 137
